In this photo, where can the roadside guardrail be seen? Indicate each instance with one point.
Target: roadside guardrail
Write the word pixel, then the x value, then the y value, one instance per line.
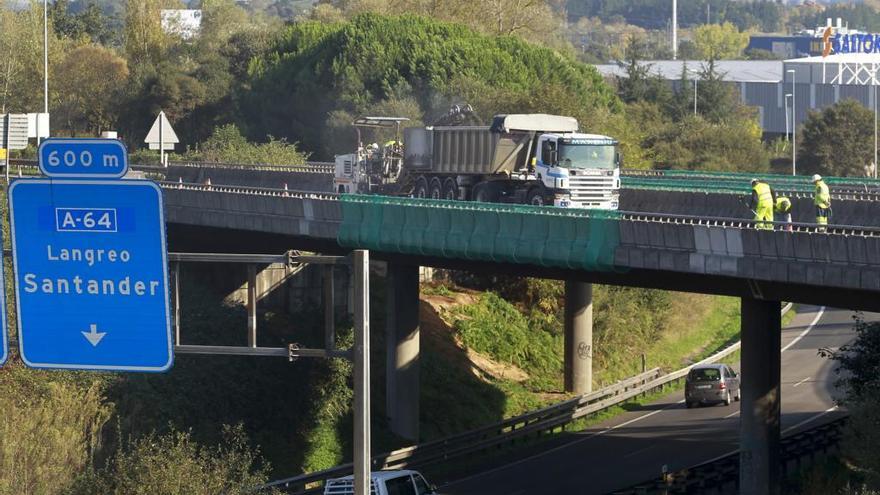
pixel 721 476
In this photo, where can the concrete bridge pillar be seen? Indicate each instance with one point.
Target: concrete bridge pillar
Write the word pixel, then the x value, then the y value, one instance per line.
pixel 759 437
pixel 402 350
pixel 578 337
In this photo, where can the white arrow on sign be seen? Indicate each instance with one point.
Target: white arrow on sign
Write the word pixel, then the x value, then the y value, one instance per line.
pixel 94 336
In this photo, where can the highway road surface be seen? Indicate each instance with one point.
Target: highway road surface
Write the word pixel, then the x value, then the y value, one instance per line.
pixel 634 446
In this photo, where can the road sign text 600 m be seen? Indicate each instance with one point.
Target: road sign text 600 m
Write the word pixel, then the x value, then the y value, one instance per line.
pixel 70 159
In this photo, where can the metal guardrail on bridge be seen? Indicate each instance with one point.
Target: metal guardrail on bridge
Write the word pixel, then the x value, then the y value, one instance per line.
pixel 728 222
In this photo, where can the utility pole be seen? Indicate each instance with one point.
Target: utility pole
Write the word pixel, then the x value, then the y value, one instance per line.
pixel 45 56
pixel 793 125
pixel 674 29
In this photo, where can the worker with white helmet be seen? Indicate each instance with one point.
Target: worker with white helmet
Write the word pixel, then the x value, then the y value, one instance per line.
pixel 822 200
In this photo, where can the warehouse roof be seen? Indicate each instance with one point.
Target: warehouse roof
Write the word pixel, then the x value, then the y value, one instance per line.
pixel 839 58
pixel 730 70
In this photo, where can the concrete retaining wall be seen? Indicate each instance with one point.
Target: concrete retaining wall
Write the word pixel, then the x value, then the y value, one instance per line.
pixel 296 181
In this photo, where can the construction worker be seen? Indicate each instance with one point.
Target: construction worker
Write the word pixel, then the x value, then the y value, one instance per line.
pixel 822 200
pixel 763 201
pixel 783 208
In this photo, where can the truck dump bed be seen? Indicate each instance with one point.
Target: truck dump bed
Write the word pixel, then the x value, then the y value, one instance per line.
pixel 464 150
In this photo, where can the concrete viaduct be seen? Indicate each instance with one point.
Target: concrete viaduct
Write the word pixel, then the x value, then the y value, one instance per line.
pixel 727 256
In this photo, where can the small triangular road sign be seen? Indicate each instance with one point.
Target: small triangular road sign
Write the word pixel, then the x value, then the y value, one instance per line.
pixel 168 137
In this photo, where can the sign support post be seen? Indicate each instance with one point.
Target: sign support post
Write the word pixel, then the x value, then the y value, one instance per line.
pixel 361 271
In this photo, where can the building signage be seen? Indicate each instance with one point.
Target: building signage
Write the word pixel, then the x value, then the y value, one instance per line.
pixel 854 43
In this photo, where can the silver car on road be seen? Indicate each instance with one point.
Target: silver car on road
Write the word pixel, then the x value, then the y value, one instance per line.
pixel 711 384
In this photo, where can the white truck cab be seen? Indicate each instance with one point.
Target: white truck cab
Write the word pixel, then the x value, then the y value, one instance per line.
pixel 586 166
pixel 396 482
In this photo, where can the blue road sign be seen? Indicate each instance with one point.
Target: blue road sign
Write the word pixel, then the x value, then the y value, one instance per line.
pixel 91 274
pixel 64 158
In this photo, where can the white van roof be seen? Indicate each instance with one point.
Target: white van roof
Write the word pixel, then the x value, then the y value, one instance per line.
pixel 345 485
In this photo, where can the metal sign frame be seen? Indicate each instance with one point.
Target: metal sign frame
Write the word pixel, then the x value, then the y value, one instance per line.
pixel 359 260
pixel 17 272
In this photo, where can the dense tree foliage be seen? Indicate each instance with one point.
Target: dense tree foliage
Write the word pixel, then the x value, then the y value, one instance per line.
pixel 534 20
pixel 858 376
pixel 763 15
pixel 317 68
pixel 720 41
pixel 839 140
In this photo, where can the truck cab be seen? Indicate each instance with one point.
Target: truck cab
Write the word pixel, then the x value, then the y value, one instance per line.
pixel 581 170
pixel 396 482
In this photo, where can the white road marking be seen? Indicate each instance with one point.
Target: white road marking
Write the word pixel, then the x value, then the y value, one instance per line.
pixel 564 446
pixel 807 330
pixel 731 415
pixel 811 418
pixel 800 382
pixel 639 418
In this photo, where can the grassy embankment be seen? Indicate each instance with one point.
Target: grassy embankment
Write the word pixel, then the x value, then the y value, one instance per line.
pixel 521 343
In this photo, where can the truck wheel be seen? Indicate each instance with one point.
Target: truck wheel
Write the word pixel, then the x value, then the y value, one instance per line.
pixel 436 189
pixel 536 197
pixel 484 193
pixel 421 189
pixel 450 189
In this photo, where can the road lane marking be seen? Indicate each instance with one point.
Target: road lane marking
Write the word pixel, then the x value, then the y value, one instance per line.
pixel 731 415
pixel 639 418
pixel 800 382
pixel 811 418
pixel 807 330
pixel 564 446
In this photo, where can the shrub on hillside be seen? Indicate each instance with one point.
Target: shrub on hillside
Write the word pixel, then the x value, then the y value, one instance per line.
pixel 48 437
pixel 174 464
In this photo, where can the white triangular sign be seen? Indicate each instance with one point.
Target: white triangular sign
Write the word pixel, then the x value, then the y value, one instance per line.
pixel 167 137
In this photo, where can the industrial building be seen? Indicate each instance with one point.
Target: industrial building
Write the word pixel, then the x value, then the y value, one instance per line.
pixel 809 83
pixel 804 43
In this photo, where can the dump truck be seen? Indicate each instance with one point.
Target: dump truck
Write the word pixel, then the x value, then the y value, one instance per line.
pixel 534 159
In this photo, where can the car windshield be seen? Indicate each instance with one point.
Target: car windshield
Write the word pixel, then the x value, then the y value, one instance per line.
pixel 586 156
pixel 705 375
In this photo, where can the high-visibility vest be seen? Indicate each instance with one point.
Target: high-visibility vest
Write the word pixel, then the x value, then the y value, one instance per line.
pixel 765 196
pixel 822 199
pixel 783 204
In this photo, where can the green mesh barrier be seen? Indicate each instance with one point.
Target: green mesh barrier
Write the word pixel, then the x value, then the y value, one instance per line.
pixel 543 236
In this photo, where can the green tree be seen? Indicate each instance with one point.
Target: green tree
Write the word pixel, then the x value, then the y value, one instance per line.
pixel 94 79
pixel 839 140
pixel 315 69
pixel 639 84
pixel 857 377
pixel 90 22
pixel 145 41
pixel 21 68
pixel 720 41
pixel 534 20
